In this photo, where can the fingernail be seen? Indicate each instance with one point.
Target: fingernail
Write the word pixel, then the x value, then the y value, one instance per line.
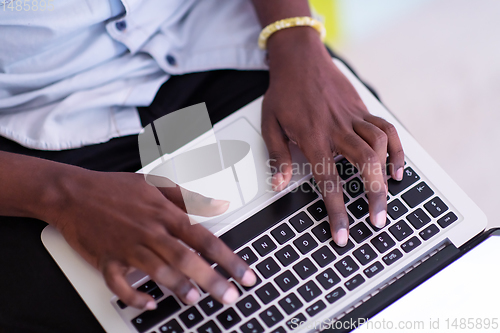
pixel 150 305
pixel 277 180
pixel 219 203
pixel 192 296
pixel 380 219
pixel 249 278
pixel 341 237
pixel 399 174
pixel 230 295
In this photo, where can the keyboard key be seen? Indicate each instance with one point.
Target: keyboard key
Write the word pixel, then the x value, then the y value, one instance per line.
pixel 271 316
pixel 318 210
pixel 354 282
pixel 191 317
pixel 358 208
pixel 171 327
pixel 354 187
pixel 264 245
pixel 228 318
pixel 236 286
pixel 323 256
pixel 309 291
pixel 383 242
pixel 210 305
pixel 409 177
pixel 346 198
pixel 287 255
pixel 259 280
pixel 396 209
pixel 248 305
pixel 222 271
pixel 344 249
pixel 429 232
pixel 283 233
pixel 418 218
pixel 247 255
pixel 448 219
pixel 335 295
pixel 305 243
pixel 373 269
pixel 316 308
pixel 360 232
pixel 417 194
pixel 148 319
pixel 278 330
pixel 268 267
pixel 286 281
pixel 252 326
pixel 210 327
pixel 148 286
pixel 305 268
pixel 322 231
pixel 392 257
pixel 295 322
pixel 401 230
pixel 267 293
pixel 345 169
pixel 301 222
pixel 346 266
pixel 436 207
pixel 121 304
pixel 156 293
pixel 290 303
pixel 364 254
pixel 328 279
pixel 351 220
pixel 410 244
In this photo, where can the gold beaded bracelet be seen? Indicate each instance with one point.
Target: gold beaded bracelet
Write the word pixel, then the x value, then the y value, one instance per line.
pixel 289 23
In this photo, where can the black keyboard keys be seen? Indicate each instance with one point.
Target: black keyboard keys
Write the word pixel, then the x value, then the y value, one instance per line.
pixel 271 316
pixel 268 267
pixel 247 255
pixel 358 208
pixel 418 218
pixel 290 303
pixel 417 194
pixel 148 319
pixel 346 266
pixel 295 322
pixel 309 291
pixel 248 305
pixel 354 187
pixel 392 257
pixel 436 207
pixel 344 249
pixel 191 317
pixel 210 305
pixel 396 209
pixel 335 295
pixel 267 293
pixel 209 327
pixel 317 210
pixel 171 327
pixel 401 230
pixel 147 287
pixel 373 269
pixel 283 233
pixel 252 326
pixel 383 242
pixel 448 219
pixel 364 254
pixel 305 243
pixel 286 281
pixel 345 169
pixel 301 222
pixel 328 278
pixel 409 177
pixel 354 282
pixel 316 308
pixel 360 232
pixel 286 255
pixel 228 318
pixel 323 256
pixel 305 268
pixel 322 232
pixel 410 244
pixel 264 245
pixel 429 232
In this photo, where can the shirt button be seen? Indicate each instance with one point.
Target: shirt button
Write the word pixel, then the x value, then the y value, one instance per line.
pixel 121 25
pixel 171 60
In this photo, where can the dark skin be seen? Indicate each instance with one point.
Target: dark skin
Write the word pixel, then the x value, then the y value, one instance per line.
pixel 117 221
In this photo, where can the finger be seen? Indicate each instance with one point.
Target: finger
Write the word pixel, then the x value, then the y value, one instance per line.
pixel 114 275
pixel 280 160
pixel 160 271
pixel 394 147
pixel 358 152
pixel 325 173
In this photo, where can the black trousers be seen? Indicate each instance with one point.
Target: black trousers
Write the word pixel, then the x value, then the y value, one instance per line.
pixel 35 296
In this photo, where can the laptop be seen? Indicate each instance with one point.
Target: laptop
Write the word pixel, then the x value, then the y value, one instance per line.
pixel 304 279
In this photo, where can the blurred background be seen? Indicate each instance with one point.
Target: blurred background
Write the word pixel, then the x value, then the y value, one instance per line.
pixel 436 66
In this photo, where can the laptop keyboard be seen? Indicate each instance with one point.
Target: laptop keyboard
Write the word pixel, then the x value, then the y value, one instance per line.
pixel 300 270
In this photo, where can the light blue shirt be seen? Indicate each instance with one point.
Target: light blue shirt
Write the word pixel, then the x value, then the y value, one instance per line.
pixel 74 75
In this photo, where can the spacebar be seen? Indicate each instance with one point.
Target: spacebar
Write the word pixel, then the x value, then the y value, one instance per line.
pixel 268 217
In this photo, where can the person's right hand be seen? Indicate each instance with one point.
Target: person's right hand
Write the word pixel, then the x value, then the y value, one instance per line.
pixel 117 221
